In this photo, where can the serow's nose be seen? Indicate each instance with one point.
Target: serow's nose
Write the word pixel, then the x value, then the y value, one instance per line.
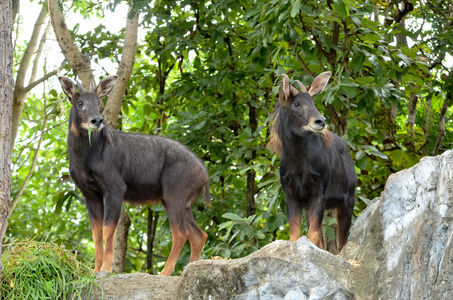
pixel 97 121
pixel 320 121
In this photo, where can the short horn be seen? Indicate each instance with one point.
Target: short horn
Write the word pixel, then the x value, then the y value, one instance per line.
pixel 92 87
pixel 293 90
pixel 302 87
pixel 81 89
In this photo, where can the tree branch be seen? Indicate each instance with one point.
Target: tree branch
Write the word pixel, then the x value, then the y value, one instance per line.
pixel 315 39
pixel 19 93
pixel 113 106
pixel 398 15
pixel 304 65
pixel 34 70
pixel 78 62
pixel 346 48
pixel 42 79
pixel 32 43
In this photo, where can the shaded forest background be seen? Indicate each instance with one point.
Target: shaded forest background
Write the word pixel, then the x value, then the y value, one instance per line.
pixel 207 73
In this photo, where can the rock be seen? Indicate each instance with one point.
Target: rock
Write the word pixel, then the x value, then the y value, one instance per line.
pixel 404 239
pixel 280 270
pixel 134 286
pixel 400 247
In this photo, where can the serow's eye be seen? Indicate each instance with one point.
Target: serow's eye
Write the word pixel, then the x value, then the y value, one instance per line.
pixel 296 103
pixel 80 103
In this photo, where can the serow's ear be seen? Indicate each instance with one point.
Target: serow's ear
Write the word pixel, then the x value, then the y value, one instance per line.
pixel 287 91
pixel 68 88
pixel 318 85
pixel 106 85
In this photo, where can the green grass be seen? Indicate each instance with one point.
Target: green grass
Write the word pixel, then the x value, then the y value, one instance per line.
pixel 39 270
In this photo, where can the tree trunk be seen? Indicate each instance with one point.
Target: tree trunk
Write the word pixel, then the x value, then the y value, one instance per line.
pixel 376 13
pixel 441 127
pixel 401 39
pixel 120 242
pixel 6 108
pixel 253 123
pixel 153 217
pixel 251 210
pixel 428 117
pixel 111 112
pixel 412 113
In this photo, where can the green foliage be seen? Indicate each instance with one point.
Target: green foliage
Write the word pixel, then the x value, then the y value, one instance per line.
pixel 39 270
pixel 207 74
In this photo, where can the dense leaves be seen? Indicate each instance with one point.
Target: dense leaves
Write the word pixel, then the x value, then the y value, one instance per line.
pixel 207 74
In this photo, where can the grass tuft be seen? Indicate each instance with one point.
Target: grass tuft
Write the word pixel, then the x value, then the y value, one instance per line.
pixel 41 270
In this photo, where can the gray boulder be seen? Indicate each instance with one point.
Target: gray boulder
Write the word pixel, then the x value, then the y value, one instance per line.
pixel 403 241
pixel 280 270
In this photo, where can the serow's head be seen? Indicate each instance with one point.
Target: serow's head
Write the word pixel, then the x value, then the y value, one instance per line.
pixel 86 104
pixel 299 107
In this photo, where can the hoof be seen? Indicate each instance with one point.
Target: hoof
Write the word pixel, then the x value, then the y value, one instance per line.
pixel 164 273
pixel 103 274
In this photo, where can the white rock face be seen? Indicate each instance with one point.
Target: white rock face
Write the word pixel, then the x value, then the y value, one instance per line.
pixel 400 247
pixel 404 240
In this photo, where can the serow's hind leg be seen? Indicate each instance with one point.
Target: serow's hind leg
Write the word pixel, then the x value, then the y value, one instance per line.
pixel 179 235
pixel 344 216
pixel 197 237
pixel 175 212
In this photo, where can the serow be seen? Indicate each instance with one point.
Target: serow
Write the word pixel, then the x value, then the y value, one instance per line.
pixel 109 166
pixel 316 168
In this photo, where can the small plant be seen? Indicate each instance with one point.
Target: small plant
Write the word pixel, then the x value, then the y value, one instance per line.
pixel 89 135
pixel 40 270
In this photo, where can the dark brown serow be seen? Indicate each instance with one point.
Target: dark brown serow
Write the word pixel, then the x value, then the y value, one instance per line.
pixel 316 169
pixel 141 169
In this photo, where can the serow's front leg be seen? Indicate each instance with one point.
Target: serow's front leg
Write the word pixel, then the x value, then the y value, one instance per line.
pixel 294 214
pixel 95 209
pixel 113 200
pixel 315 216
